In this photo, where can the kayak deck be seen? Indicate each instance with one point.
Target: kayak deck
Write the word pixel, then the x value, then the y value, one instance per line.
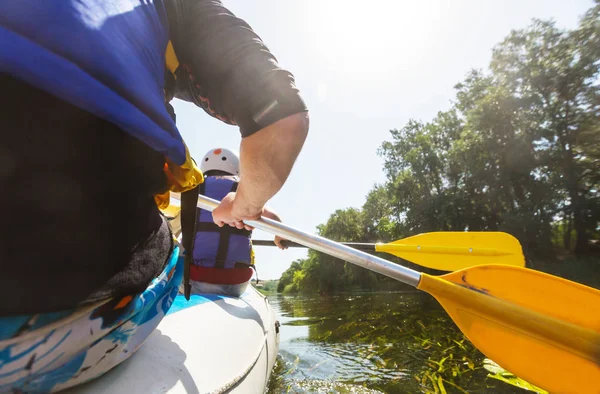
pixel 211 344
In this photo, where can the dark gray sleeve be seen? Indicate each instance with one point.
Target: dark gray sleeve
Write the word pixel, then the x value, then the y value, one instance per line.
pixel 226 69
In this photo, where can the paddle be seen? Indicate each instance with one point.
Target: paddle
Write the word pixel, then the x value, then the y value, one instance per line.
pixel 445 251
pixel 541 328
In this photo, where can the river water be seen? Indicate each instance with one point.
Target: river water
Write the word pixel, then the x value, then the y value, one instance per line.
pixel 376 343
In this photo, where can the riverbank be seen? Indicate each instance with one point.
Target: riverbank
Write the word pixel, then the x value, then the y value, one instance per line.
pixel 299 279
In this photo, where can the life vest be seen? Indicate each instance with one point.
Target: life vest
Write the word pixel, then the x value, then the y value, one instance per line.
pixel 214 246
pixel 107 57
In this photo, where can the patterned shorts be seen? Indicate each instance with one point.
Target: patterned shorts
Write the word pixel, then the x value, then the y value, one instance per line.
pixel 51 352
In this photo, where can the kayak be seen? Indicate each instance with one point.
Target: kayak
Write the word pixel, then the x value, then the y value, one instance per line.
pixel 210 344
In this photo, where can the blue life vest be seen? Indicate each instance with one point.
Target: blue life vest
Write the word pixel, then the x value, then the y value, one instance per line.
pixel 214 246
pixel 106 57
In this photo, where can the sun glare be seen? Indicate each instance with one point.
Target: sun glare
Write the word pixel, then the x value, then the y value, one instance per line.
pixel 371 42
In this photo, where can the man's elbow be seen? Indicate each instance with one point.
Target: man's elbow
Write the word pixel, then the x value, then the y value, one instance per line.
pixel 298 124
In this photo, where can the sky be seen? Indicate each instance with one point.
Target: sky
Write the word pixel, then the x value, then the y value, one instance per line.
pixel 363 70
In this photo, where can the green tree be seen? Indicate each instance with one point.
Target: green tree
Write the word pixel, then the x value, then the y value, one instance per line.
pixel 288 275
pixel 556 72
pixel 519 151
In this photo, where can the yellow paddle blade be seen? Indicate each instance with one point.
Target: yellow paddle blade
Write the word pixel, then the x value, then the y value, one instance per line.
pixel 542 328
pixel 451 251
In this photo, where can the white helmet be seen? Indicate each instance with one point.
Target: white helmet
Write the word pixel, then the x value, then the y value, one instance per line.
pixel 222 160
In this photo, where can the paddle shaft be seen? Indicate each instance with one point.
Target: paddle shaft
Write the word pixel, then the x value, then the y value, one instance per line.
pixel 354 256
pixel 365 247
pixel 401 248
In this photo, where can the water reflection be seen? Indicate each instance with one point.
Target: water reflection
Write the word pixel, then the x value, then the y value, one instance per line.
pixel 375 342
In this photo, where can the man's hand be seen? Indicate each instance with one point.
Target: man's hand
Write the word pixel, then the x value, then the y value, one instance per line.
pixel 232 212
pixel 278 241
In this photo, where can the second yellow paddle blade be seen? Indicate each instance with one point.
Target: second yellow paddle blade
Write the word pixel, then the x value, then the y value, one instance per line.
pixel 452 251
pixel 542 328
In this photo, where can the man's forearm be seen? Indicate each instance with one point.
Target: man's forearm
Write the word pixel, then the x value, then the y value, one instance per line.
pixel 267 158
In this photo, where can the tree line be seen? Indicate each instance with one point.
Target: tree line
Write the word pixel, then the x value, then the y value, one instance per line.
pixel 518 151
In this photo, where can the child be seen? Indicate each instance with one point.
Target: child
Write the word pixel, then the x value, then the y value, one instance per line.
pixel 221 257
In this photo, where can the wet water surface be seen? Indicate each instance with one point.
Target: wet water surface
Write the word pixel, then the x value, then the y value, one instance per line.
pixel 376 342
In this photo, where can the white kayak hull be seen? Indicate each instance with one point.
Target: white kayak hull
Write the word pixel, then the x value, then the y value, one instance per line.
pixel 212 344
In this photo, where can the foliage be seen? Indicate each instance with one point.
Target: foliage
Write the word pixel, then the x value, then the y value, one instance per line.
pixel 288 276
pixel 497 372
pixel 326 274
pixel 267 287
pixel 518 151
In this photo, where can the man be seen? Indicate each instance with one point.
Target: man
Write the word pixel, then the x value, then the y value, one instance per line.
pixel 221 259
pixel 89 144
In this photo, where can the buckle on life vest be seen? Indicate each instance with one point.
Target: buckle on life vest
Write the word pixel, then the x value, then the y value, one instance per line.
pixel 254 268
